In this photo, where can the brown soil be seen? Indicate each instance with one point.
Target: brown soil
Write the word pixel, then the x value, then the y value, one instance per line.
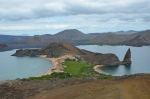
pixel 125 87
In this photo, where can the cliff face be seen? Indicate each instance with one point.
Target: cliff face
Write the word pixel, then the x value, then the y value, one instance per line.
pixel 127 58
pixel 58 49
pixel 27 52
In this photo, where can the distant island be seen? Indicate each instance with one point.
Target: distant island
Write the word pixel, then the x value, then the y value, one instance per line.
pixel 76 37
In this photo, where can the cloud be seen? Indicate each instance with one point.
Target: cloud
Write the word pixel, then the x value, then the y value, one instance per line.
pixel 31 9
pixel 85 15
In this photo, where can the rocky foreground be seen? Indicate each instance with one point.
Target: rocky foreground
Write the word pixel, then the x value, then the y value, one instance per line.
pixel 125 87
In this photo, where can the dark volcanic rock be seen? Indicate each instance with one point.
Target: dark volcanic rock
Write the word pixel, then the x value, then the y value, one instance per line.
pixel 55 49
pixel 58 49
pixel 27 52
pixel 3 45
pixel 127 58
pixel 101 59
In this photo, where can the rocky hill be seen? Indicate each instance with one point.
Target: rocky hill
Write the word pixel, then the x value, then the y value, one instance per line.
pixel 144 34
pixel 109 38
pixel 57 49
pixel 137 41
pixel 72 34
pixel 3 47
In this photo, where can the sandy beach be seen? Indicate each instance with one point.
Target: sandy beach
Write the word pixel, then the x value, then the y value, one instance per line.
pixel 96 68
pixel 57 67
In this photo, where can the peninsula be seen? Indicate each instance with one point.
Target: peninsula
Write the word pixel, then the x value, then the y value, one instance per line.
pixel 58 52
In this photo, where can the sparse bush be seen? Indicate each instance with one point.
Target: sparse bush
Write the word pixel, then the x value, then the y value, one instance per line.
pixel 104 77
pixel 68 59
pixel 60 75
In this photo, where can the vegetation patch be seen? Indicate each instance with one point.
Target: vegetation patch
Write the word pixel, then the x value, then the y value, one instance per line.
pixel 60 75
pixel 76 68
pixel 82 70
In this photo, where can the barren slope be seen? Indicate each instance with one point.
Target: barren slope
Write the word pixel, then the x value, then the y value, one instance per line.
pixel 132 88
pixel 125 87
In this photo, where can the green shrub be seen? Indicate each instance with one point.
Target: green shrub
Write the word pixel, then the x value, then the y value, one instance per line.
pixel 60 75
pixel 104 77
pixel 68 59
pixel 78 68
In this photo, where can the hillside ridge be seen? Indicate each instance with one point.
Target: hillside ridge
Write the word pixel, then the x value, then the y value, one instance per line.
pixel 77 37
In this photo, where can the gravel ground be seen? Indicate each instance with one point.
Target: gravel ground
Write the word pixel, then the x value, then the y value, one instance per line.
pixel 124 87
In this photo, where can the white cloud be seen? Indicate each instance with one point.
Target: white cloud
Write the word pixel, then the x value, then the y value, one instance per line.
pixel 30 9
pixel 33 27
pixel 87 15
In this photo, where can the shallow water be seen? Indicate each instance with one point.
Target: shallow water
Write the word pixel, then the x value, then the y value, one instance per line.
pixel 140 58
pixel 12 67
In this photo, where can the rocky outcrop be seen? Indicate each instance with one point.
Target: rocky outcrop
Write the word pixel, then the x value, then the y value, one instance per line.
pixel 127 58
pixel 3 45
pixel 55 49
pixel 108 59
pixel 58 49
pixel 27 52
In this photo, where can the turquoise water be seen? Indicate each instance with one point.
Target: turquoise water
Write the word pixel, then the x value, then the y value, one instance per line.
pixel 12 67
pixel 140 58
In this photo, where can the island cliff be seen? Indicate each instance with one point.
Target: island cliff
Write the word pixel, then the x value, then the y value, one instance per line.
pixel 58 49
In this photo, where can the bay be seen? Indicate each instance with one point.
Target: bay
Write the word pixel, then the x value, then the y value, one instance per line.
pixel 12 67
pixel 140 59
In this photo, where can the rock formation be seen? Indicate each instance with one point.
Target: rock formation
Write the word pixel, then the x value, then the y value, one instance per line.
pixel 3 45
pixel 127 58
pixel 58 49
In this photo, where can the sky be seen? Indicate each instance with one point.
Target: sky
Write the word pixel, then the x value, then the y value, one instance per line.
pixel 37 17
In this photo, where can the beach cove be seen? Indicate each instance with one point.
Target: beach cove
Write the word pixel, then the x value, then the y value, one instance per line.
pixel 58 67
pixel 12 67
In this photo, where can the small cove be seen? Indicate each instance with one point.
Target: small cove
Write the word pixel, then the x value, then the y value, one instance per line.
pixel 12 67
pixel 140 58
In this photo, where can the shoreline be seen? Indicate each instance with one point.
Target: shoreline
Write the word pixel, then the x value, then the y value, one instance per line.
pixel 57 67
pixel 96 68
